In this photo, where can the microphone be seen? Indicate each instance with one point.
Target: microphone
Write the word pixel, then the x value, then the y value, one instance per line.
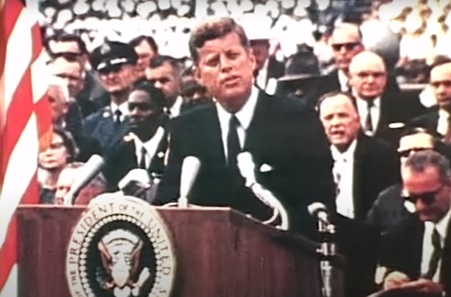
pixel 90 170
pixel 246 167
pixel 190 169
pixel 319 210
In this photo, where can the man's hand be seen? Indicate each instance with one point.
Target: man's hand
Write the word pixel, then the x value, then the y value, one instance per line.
pixel 395 280
pixel 424 285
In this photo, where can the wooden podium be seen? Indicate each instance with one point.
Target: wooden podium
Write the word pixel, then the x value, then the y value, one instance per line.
pixel 220 253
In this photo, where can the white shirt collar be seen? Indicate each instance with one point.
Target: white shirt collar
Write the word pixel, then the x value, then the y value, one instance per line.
pixel 175 108
pixel 244 115
pixel 364 103
pixel 347 155
pixel 442 225
pixel 123 107
pixel 150 145
pixel 443 114
pixel 343 80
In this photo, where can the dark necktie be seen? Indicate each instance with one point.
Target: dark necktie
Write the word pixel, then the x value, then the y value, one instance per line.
pixel 436 255
pixel 233 147
pixel 142 161
pixel 369 120
pixel 117 116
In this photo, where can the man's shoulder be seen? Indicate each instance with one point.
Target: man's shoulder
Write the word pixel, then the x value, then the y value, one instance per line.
pixel 100 114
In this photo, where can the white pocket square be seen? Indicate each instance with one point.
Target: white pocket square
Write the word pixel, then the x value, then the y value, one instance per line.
pixel 265 168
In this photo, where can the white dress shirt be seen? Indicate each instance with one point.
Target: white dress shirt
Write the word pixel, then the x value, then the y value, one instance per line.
pixel 362 107
pixel 175 108
pixel 151 146
pixel 244 116
pixel 343 80
pixel 442 125
pixel 123 108
pixel 343 172
pixel 442 229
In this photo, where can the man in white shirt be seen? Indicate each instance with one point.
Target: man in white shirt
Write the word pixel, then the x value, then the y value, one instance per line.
pixel 164 73
pixel 363 166
pixel 417 252
pixel 145 146
pixel 381 113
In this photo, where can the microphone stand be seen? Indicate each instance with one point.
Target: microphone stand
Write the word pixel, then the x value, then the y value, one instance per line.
pixel 327 251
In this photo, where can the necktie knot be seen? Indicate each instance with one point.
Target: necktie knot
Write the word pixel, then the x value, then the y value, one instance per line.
pixel 117 116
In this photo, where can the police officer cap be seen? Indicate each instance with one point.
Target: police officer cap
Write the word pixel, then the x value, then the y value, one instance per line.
pixel 113 53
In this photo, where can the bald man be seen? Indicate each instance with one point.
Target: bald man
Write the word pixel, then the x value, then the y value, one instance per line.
pixel 382 113
pixel 438 119
pixel 346 43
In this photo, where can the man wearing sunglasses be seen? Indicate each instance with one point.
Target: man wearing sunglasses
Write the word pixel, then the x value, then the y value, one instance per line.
pixel 346 42
pixel 115 62
pixel 417 252
pixel 145 146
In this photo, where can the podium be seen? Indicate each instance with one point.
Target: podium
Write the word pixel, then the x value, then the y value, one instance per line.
pixel 220 253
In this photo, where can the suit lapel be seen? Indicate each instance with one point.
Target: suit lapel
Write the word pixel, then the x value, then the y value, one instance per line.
pixel 157 164
pixel 359 175
pixel 212 136
pixel 257 127
pixel 446 260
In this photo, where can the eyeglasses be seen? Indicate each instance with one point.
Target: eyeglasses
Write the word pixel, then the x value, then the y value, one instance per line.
pixel 349 46
pixel 408 152
pixel 427 198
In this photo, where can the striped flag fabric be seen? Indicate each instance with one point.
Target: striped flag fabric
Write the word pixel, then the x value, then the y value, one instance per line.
pixel 25 124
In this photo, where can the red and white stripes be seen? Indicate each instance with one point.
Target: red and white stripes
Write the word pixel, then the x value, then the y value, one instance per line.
pixel 24 120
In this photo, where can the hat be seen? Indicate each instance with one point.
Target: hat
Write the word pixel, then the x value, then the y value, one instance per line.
pixel 112 53
pixel 300 66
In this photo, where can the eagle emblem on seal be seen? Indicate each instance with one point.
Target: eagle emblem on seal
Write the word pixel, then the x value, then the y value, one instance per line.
pixel 120 252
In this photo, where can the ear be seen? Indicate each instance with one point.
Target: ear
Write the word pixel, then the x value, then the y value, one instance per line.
pixel 198 74
pixel 252 58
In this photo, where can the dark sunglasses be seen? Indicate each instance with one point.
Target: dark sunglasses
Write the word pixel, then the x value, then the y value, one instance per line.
pixel 111 69
pixel 348 46
pixel 406 153
pixel 427 198
pixel 139 105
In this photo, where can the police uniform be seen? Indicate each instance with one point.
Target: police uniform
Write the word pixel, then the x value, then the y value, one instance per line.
pixel 102 124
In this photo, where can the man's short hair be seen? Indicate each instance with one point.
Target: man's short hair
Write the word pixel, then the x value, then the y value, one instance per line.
pixel 335 94
pixel 421 160
pixel 440 61
pixel 214 29
pixel 149 39
pixel 65 37
pixel 155 94
pixel 160 60
pixel 344 26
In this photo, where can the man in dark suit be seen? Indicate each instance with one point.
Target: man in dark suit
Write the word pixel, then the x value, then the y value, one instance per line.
pixel 145 146
pixel 417 252
pixel 363 167
pixel 382 114
pixel 285 139
pixel 438 118
pixel 115 62
pixel 346 42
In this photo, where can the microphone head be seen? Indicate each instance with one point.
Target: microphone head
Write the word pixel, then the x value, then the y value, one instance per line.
pixel 190 169
pixel 246 166
pixel 315 208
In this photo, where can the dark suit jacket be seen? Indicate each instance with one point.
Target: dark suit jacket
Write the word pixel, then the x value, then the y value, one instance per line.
pixel 388 209
pixel 123 159
pixel 283 134
pixel 403 248
pixel 428 120
pixel 395 109
pixel 101 127
pixel 376 167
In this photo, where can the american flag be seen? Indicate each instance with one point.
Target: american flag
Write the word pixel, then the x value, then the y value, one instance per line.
pixel 24 122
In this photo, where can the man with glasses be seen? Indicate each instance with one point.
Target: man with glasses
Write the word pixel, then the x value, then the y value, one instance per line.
pixel 417 252
pixel 346 43
pixel 389 208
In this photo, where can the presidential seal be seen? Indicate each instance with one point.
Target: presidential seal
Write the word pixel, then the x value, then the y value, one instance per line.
pixel 120 247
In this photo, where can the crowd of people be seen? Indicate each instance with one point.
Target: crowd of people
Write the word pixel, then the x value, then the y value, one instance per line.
pixel 348 137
